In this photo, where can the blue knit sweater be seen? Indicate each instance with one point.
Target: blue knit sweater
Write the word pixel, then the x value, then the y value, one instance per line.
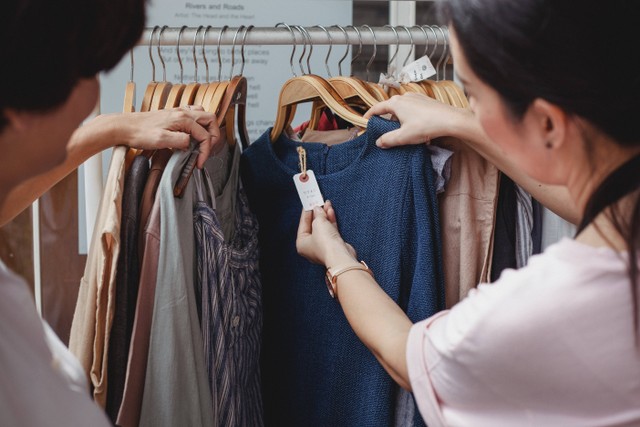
pixel 315 371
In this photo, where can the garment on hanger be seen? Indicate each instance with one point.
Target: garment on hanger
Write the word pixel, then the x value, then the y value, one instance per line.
pixel 504 237
pixel 158 163
pixel 228 275
pixel 223 170
pixel 126 286
pixel 91 326
pixel 37 367
pixel 524 226
pixel 129 415
pixel 467 217
pixel 315 370
pixel 176 390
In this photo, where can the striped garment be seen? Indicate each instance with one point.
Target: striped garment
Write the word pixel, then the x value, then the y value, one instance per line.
pixel 229 280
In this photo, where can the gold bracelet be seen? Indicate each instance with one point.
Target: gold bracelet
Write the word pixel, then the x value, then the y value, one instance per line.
pixel 331 278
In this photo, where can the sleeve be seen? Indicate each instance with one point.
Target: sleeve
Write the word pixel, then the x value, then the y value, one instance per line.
pixel 419 364
pixel 422 270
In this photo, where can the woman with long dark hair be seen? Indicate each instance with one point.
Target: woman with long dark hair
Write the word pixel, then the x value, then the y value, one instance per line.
pixel 554 90
pixel 51 53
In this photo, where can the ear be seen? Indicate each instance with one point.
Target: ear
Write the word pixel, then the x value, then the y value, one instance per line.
pixel 549 122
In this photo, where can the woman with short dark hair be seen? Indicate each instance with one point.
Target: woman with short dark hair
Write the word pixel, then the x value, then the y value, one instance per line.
pixel 553 87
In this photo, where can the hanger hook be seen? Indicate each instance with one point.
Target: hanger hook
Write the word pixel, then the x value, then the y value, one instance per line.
pixel 304 48
pixel 195 59
pixel 244 40
pixel 326 59
pixel 308 36
pixel 435 44
pixel 426 37
pixel 222 30
pixel 375 49
pixel 204 55
pixel 447 49
pixel 184 27
pixel 346 52
pixel 397 46
pixel 293 39
pixel 153 64
pixel 404 27
pixel 442 54
pixel 233 49
pixel 357 31
pixel 435 47
pixel 164 68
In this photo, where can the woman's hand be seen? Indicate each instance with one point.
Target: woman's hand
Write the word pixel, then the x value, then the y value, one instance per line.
pixel 160 129
pixel 421 119
pixel 319 239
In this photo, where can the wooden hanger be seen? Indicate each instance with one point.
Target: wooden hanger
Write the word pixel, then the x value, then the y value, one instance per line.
pixel 350 89
pixel 173 99
pixel 235 95
pixel 310 88
pixel 161 92
pixel 148 93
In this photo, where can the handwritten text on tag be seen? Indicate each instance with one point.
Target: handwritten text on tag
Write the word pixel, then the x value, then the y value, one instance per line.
pixel 308 190
pixel 418 70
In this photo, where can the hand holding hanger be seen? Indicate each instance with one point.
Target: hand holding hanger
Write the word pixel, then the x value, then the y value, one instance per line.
pixel 422 119
pixel 155 130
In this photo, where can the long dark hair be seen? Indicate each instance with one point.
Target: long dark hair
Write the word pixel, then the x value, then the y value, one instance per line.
pixel 46 46
pixel 582 56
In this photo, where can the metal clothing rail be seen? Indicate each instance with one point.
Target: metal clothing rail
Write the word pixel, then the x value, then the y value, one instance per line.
pixel 432 35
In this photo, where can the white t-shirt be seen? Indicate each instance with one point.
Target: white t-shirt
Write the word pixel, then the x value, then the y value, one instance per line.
pixel 41 384
pixel 552 344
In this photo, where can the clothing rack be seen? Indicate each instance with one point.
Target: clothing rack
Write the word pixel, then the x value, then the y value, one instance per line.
pixel 168 36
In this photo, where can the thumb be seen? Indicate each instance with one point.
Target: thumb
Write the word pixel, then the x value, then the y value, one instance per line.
pixel 392 139
pixel 319 213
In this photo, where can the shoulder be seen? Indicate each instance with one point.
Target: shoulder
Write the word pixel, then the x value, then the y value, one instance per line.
pixel 28 367
pixel 568 281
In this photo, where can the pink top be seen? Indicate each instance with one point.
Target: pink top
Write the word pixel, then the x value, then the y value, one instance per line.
pixel 551 344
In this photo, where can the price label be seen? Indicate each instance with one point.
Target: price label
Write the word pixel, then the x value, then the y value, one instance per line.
pixel 308 190
pixel 418 70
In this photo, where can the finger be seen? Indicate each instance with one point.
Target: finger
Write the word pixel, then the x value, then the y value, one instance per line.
pixel 331 213
pixel 379 109
pixel 189 124
pixel 319 213
pixel 389 139
pixel 304 228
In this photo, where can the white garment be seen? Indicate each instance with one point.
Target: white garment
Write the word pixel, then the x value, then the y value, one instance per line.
pixel 37 388
pixel 551 344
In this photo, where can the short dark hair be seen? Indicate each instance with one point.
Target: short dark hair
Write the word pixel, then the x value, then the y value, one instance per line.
pixel 48 46
pixel 581 56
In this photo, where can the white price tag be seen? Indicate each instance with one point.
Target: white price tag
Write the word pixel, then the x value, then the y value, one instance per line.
pixel 308 190
pixel 418 70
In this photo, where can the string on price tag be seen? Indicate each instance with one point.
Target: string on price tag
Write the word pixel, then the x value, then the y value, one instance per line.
pixel 302 160
pixel 306 184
